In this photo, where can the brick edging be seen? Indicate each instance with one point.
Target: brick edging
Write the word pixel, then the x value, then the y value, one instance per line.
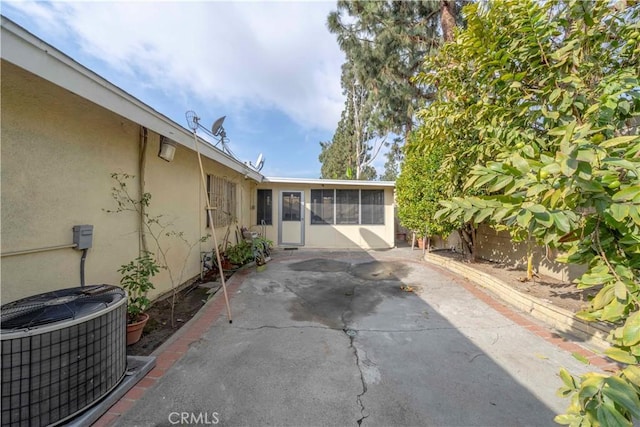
pixel 175 348
pixel 558 318
pixel 506 309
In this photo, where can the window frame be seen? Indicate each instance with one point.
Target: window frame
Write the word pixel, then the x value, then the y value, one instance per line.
pixel 377 210
pixel 283 211
pixel 262 206
pixel 322 218
pixel 381 207
pixel 223 196
pixel 350 202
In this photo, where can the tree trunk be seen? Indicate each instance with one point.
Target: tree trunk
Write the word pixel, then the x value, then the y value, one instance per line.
pixel 447 18
pixel 529 258
pixel 358 130
pixel 474 246
pixel 468 236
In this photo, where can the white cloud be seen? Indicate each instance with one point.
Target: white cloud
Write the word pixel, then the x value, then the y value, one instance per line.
pixel 244 54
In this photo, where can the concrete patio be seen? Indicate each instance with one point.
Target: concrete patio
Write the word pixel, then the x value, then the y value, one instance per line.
pixel 330 338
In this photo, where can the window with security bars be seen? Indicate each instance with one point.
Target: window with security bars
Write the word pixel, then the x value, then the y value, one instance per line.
pixel 222 197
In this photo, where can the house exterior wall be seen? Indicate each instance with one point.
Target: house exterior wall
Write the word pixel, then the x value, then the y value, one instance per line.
pixel 58 153
pixel 330 236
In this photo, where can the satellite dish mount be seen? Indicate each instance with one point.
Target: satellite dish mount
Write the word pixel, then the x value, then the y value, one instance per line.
pixel 217 132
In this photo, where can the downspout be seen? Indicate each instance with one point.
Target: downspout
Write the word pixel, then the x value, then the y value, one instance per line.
pixel 144 135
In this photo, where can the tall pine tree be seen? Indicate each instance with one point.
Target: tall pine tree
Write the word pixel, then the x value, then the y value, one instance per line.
pixel 385 43
pixel 349 154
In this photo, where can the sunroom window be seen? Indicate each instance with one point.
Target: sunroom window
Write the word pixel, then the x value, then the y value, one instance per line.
pixel 322 206
pixel 347 207
pixel 372 206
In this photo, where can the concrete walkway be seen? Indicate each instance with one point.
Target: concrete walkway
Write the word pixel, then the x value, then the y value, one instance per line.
pixel 330 338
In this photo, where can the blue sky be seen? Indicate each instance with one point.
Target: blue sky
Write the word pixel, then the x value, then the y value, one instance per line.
pixel 272 68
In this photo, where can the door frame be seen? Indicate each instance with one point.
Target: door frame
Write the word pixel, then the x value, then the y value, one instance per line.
pixel 302 218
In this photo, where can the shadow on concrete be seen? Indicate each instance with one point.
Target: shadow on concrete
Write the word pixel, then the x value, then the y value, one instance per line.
pixel 330 338
pixel 416 367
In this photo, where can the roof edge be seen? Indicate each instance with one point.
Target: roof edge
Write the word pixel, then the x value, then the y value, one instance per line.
pixel 27 51
pixel 342 182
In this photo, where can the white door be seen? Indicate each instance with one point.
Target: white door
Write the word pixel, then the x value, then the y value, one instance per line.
pixel 291 229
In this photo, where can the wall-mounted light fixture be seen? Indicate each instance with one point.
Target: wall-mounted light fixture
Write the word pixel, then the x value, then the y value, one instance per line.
pixel 167 148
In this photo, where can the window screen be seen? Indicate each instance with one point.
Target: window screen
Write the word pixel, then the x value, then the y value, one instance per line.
pixel 322 206
pixel 264 208
pixel 372 206
pixel 347 206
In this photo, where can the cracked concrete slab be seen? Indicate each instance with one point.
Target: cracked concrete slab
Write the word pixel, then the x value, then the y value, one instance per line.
pixel 346 346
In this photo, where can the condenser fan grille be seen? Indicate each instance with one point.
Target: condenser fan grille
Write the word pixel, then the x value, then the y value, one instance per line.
pixel 53 371
pixel 56 306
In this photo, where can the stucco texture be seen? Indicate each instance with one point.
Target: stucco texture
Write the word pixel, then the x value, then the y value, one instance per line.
pixel 58 153
pixel 334 236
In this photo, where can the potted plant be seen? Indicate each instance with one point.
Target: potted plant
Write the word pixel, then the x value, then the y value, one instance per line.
pixel 136 281
pixel 239 254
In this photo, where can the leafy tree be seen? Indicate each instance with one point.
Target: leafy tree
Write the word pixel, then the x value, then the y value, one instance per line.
pixel 334 154
pixel 447 127
pixel 369 34
pixel 553 99
pixel 395 157
pixel 349 154
pixel 385 43
pixel 419 190
pixel 365 142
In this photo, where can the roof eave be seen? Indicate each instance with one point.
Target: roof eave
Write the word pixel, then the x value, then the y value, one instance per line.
pixel 337 182
pixel 30 53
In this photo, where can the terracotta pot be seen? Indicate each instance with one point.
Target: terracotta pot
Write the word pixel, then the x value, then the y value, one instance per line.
pixel 421 242
pixel 134 330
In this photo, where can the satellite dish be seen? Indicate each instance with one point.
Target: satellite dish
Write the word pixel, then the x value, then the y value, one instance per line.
pixel 217 129
pixel 259 162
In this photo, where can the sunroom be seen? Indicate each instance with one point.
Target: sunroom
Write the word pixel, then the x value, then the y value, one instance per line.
pixel 320 213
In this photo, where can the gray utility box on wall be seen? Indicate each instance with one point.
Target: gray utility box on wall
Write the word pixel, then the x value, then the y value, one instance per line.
pixel 83 236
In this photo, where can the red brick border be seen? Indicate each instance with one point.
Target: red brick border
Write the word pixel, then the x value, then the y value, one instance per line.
pixel 178 347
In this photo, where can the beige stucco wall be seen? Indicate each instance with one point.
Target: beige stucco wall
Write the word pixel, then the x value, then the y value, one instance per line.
pixel 58 152
pixel 331 236
pixel 497 246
